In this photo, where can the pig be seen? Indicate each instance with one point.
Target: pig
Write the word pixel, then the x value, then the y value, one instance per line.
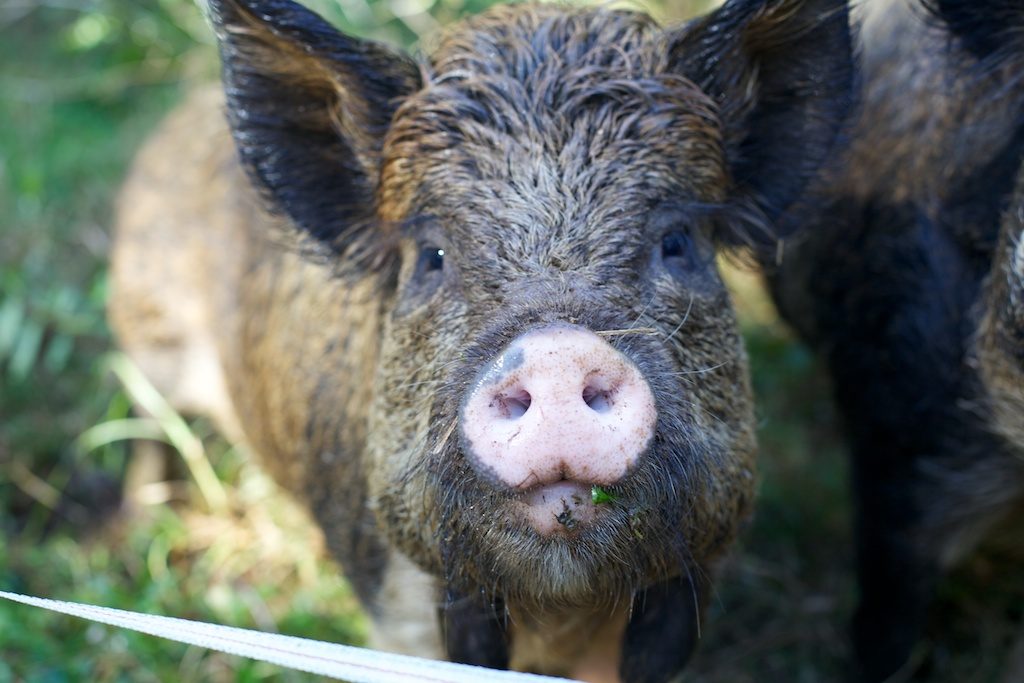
pixel 1000 340
pixel 897 275
pixel 466 307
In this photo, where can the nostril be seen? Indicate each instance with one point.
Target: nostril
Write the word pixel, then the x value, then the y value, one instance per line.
pixel 598 399
pixel 513 405
pixel 518 405
pixel 560 407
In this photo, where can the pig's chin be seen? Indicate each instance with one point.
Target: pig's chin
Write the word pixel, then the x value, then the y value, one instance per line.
pixel 563 507
pixel 552 546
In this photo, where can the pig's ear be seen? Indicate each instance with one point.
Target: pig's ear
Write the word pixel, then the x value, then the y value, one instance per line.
pixel 782 75
pixel 986 27
pixel 308 108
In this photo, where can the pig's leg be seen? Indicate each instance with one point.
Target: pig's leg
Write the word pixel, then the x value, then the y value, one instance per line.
pixel 663 630
pixel 896 580
pixel 919 512
pixel 403 615
pixel 474 630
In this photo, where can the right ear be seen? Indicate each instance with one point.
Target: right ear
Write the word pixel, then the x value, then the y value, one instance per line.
pixel 985 26
pixel 782 75
pixel 309 107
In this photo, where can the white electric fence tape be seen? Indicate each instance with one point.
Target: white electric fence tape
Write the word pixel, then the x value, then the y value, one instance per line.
pixel 358 665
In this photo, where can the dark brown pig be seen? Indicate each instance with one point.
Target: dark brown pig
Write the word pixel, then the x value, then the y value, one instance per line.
pixel 474 319
pixel 902 282
pixel 1000 343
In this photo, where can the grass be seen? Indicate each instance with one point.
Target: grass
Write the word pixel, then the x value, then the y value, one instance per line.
pixel 82 83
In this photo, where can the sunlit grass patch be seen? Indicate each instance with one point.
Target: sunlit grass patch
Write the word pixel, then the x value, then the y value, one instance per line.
pixel 257 561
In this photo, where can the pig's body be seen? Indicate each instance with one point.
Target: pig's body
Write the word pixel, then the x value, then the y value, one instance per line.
pixel 1000 339
pixel 887 281
pixel 486 286
pixel 209 344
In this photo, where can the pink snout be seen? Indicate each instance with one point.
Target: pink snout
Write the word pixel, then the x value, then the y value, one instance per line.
pixel 558 404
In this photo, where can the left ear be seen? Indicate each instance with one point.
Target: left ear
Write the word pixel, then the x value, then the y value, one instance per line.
pixel 309 108
pixel 782 75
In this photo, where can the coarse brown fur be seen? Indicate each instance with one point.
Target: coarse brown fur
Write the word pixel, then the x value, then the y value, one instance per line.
pixel 1000 345
pixel 887 281
pixel 552 154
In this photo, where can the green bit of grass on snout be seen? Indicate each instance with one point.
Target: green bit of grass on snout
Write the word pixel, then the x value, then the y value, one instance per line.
pixel 600 496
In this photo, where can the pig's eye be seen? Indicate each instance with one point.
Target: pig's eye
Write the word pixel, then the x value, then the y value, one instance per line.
pixel 430 270
pixel 681 254
pixel 676 245
pixel 431 259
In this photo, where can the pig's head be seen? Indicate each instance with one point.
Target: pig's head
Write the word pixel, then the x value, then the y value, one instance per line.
pixel 562 412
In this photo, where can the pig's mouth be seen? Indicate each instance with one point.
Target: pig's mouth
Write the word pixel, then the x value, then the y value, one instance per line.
pixel 570 541
pixel 562 507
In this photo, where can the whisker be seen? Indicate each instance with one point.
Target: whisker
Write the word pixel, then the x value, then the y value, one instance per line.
pixel 444 439
pixel 631 330
pixel 416 384
pixel 704 410
pixel 696 599
pixel 701 371
pixel 434 380
pixel 686 316
pixel 649 302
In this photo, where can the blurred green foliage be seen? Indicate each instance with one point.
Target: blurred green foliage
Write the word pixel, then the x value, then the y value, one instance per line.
pixel 82 84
